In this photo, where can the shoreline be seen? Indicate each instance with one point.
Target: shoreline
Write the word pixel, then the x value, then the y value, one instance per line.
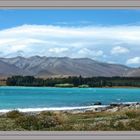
pixel 112 118
pixel 114 107
pixel 123 87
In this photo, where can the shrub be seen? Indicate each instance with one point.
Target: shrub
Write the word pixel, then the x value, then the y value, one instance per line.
pixel 132 114
pixel 44 120
pixel 120 126
pixel 134 125
pixel 14 114
pixel 28 122
pixel 7 124
pixel 61 118
pixel 47 122
pixel 50 119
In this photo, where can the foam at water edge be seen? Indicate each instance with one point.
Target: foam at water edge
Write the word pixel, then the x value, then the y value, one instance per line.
pixel 61 108
pixel 52 109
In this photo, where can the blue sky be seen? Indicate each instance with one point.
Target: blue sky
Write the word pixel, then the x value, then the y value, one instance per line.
pixel 11 18
pixel 111 36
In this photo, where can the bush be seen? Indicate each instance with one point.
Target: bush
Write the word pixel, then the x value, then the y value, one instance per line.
pixel 134 125
pixel 61 118
pixel 132 114
pixel 119 126
pixel 14 114
pixel 50 119
pixel 47 122
pixel 44 120
pixel 28 122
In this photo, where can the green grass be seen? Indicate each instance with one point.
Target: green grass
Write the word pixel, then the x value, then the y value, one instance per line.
pixel 83 86
pixel 64 85
pixel 57 121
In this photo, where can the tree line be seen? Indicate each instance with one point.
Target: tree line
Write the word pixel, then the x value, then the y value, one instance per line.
pixel 73 81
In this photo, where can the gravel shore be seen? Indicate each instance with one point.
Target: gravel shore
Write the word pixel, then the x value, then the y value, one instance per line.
pixel 114 107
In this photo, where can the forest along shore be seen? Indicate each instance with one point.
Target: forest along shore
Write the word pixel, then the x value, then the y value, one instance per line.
pixel 71 81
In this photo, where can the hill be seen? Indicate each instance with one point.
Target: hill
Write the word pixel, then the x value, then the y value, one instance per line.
pixel 61 66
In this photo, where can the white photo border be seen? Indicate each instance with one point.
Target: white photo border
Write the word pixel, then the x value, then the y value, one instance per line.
pixel 72 4
pixel 69 4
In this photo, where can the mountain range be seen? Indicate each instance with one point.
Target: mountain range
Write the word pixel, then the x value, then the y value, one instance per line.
pixel 62 66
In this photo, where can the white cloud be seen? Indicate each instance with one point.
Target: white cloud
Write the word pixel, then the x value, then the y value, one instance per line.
pixel 134 60
pixel 84 52
pixel 119 50
pixel 58 50
pixel 90 41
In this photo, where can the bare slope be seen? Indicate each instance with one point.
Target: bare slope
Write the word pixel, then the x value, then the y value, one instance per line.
pixel 60 66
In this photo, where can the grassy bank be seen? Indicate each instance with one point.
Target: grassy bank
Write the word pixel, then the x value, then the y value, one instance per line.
pixel 2 82
pixel 62 121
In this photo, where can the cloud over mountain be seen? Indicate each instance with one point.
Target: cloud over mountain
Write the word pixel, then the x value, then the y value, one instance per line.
pixel 134 60
pixel 95 42
pixel 119 50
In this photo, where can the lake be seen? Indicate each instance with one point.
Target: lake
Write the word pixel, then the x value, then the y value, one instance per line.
pixel 47 98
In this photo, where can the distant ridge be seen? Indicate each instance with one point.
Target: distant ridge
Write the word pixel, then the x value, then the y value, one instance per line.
pixel 62 66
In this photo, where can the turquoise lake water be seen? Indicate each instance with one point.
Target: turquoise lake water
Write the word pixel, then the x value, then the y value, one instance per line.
pixel 54 98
